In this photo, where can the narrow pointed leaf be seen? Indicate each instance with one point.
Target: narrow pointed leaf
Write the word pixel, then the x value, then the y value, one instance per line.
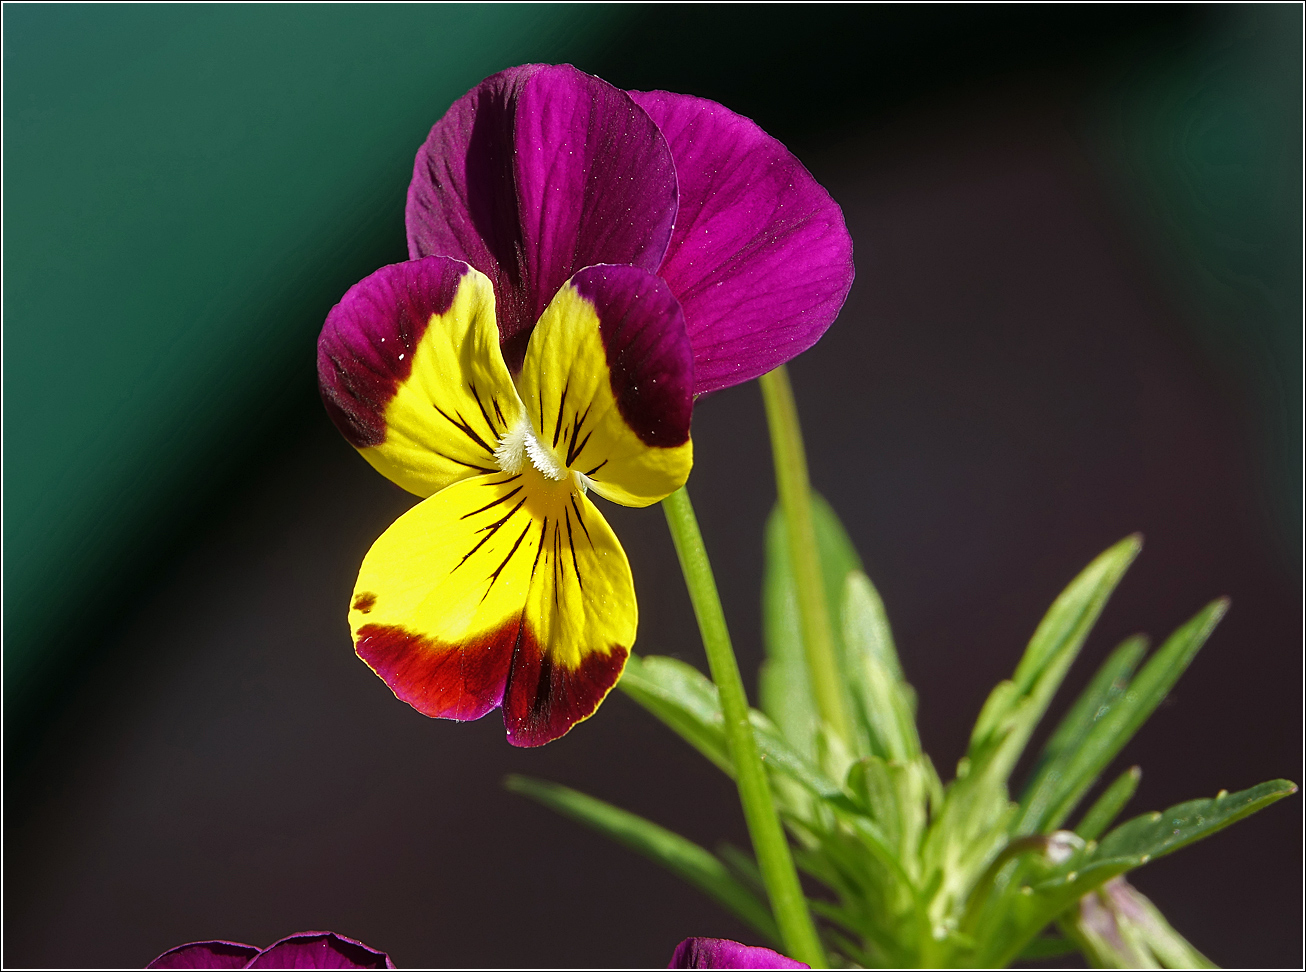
pixel 677 854
pixel 883 702
pixel 1028 904
pixel 1045 790
pixel 685 701
pixel 965 834
pixel 1053 647
pixel 1108 806
pixel 683 698
pixel 1153 835
pixel 1130 710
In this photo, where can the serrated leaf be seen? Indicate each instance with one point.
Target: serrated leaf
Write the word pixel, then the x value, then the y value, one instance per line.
pixel 677 854
pixel 1129 710
pixel 1046 788
pixel 1108 806
pixel 1154 835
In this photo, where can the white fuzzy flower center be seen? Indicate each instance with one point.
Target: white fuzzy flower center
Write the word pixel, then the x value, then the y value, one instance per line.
pixel 521 442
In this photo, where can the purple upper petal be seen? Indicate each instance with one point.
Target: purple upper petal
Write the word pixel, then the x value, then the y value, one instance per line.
pixel 206 955
pixel 721 953
pixel 535 173
pixel 320 950
pixel 760 258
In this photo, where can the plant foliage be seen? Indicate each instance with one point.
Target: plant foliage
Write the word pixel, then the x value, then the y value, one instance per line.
pixel 920 873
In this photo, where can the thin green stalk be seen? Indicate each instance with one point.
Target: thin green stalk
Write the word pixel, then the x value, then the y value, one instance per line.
pixel 796 500
pixel 769 843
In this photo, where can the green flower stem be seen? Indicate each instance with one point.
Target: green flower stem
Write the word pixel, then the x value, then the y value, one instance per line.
pixel 796 500
pixel 769 843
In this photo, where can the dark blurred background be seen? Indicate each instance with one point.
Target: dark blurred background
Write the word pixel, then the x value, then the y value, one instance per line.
pixel 1077 314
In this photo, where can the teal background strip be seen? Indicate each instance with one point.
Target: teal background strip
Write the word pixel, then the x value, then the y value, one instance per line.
pixel 188 190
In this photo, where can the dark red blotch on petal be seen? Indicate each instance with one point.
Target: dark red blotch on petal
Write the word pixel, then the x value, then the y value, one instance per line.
pixel 461 682
pixel 366 346
pixel 544 700
pixel 508 667
pixel 650 361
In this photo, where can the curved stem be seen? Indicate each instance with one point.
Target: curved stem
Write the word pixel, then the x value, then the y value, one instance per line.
pixel 796 500
pixel 769 843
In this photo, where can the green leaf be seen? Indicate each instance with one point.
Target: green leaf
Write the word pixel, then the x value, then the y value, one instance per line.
pixel 1013 920
pixel 1128 711
pixel 964 836
pixel 1027 902
pixel 1153 835
pixel 686 700
pixel 1046 787
pixel 680 856
pixel 1014 712
pixel 1108 806
pixel 883 703
pixel 785 691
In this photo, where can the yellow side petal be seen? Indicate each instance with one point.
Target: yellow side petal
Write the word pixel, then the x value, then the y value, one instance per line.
pixel 410 369
pixel 607 384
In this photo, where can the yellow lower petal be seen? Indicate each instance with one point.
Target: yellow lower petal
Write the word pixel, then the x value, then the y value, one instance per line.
pixel 504 589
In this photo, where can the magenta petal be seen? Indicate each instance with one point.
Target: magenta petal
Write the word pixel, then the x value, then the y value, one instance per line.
pixel 320 950
pixel 535 173
pixel 206 955
pixel 760 259
pixel 721 953
pixel 649 358
pixel 366 346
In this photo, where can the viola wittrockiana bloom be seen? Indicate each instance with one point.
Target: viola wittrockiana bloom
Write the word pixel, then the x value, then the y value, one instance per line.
pixel 305 950
pixel 722 953
pixel 584 262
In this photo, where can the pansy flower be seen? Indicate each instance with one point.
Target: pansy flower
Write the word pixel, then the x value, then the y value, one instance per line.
pixel 584 262
pixel 304 950
pixel 722 953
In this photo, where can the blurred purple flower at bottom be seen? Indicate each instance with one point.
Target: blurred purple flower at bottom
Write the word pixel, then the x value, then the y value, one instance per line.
pixel 722 953
pixel 303 950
